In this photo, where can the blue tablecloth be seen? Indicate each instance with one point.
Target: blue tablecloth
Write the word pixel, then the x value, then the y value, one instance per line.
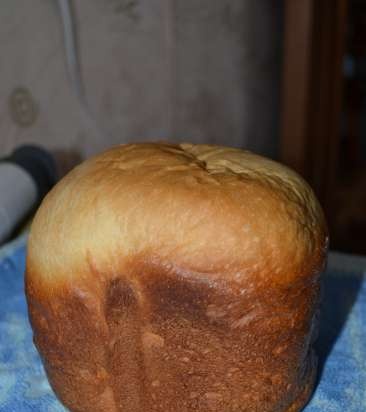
pixel 341 345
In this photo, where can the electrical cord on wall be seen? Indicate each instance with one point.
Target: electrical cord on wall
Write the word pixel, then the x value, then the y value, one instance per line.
pixel 73 64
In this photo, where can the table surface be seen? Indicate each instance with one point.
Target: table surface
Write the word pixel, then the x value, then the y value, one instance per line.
pixel 341 345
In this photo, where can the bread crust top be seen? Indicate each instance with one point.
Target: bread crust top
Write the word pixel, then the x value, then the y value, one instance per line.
pixel 204 208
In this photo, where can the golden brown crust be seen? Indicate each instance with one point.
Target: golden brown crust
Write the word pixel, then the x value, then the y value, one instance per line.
pixel 177 277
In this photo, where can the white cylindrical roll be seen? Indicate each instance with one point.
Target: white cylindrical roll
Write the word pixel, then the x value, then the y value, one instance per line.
pixel 18 194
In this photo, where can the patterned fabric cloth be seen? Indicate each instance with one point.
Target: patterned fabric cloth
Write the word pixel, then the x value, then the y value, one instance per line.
pixel 341 344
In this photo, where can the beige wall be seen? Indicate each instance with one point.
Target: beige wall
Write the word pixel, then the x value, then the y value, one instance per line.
pixel 198 70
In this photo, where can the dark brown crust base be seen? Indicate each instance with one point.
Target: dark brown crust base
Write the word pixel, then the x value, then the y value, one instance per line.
pixel 304 397
pixel 176 345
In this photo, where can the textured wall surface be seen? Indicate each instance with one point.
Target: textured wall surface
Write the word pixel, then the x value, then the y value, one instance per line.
pixel 197 70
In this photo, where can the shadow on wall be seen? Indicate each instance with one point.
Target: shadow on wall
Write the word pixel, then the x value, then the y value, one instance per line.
pixel 66 160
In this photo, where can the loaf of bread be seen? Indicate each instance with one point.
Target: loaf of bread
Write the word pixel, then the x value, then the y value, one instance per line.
pixel 177 278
